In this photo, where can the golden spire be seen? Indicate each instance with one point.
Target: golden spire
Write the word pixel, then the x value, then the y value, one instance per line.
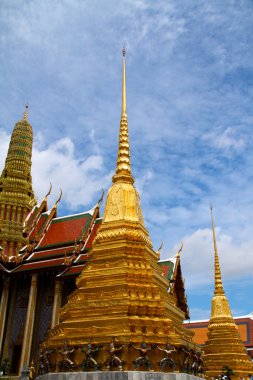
pixel 218 288
pixel 123 201
pixel 124 105
pixel 221 330
pixel 123 169
pixel 25 115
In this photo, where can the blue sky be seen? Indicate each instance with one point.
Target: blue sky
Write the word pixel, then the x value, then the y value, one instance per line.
pixel 190 113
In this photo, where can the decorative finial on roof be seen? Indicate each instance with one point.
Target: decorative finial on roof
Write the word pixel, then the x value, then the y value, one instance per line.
pixel 160 248
pixel 49 191
pixel 101 198
pixel 25 115
pixel 218 287
pixel 180 249
pixel 123 169
pixel 158 252
pixel 58 200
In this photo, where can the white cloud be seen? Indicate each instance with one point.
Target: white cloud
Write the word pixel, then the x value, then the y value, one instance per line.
pixel 143 180
pixel 80 180
pixel 4 144
pixel 198 257
pixel 225 140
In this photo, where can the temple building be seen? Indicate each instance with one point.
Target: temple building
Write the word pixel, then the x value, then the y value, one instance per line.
pixel 40 255
pixel 82 278
pixel 77 285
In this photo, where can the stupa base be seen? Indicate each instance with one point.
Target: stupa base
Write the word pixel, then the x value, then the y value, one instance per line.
pixel 117 375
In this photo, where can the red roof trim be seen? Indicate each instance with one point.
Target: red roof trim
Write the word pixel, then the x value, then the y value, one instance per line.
pixel 40 265
pixel 50 254
pixel 72 271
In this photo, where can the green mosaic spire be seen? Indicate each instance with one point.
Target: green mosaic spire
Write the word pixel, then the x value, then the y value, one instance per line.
pixel 16 193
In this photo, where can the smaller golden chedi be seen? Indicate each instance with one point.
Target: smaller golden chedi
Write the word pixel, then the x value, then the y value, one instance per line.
pixel 224 347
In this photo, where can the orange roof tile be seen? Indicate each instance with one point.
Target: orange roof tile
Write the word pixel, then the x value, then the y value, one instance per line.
pixel 65 230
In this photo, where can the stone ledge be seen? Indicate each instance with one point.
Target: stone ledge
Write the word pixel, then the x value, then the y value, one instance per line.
pixel 117 375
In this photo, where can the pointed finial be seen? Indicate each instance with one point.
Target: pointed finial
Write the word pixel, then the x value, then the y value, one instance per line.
pixel 158 252
pixel 160 248
pixel 124 81
pixel 180 249
pixel 49 191
pixel 123 169
pixel 58 200
pixel 25 115
pixel 218 288
pixel 101 198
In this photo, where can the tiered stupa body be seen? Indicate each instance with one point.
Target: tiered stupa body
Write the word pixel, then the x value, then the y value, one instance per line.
pixel 121 293
pixel 16 193
pixel 224 347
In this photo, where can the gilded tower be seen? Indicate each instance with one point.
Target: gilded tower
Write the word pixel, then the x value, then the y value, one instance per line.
pixel 16 193
pixel 121 295
pixel 224 347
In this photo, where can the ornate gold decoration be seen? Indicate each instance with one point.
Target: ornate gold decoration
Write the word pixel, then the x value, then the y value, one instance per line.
pixel 121 292
pixel 16 193
pixel 123 201
pixel 224 346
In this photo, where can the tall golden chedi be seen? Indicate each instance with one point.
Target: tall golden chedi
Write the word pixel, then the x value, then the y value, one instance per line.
pixel 224 347
pixel 16 193
pixel 121 293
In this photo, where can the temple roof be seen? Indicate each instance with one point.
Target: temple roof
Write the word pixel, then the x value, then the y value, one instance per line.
pixel 65 230
pixel 173 272
pixel 62 244
pixel 56 243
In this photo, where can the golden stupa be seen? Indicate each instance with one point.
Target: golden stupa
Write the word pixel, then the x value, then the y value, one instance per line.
pixel 122 295
pixel 224 347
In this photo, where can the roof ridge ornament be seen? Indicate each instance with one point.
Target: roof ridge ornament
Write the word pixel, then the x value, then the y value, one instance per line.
pixel 49 191
pixel 58 200
pixel 160 248
pixel 101 198
pixel 180 249
pixel 158 252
